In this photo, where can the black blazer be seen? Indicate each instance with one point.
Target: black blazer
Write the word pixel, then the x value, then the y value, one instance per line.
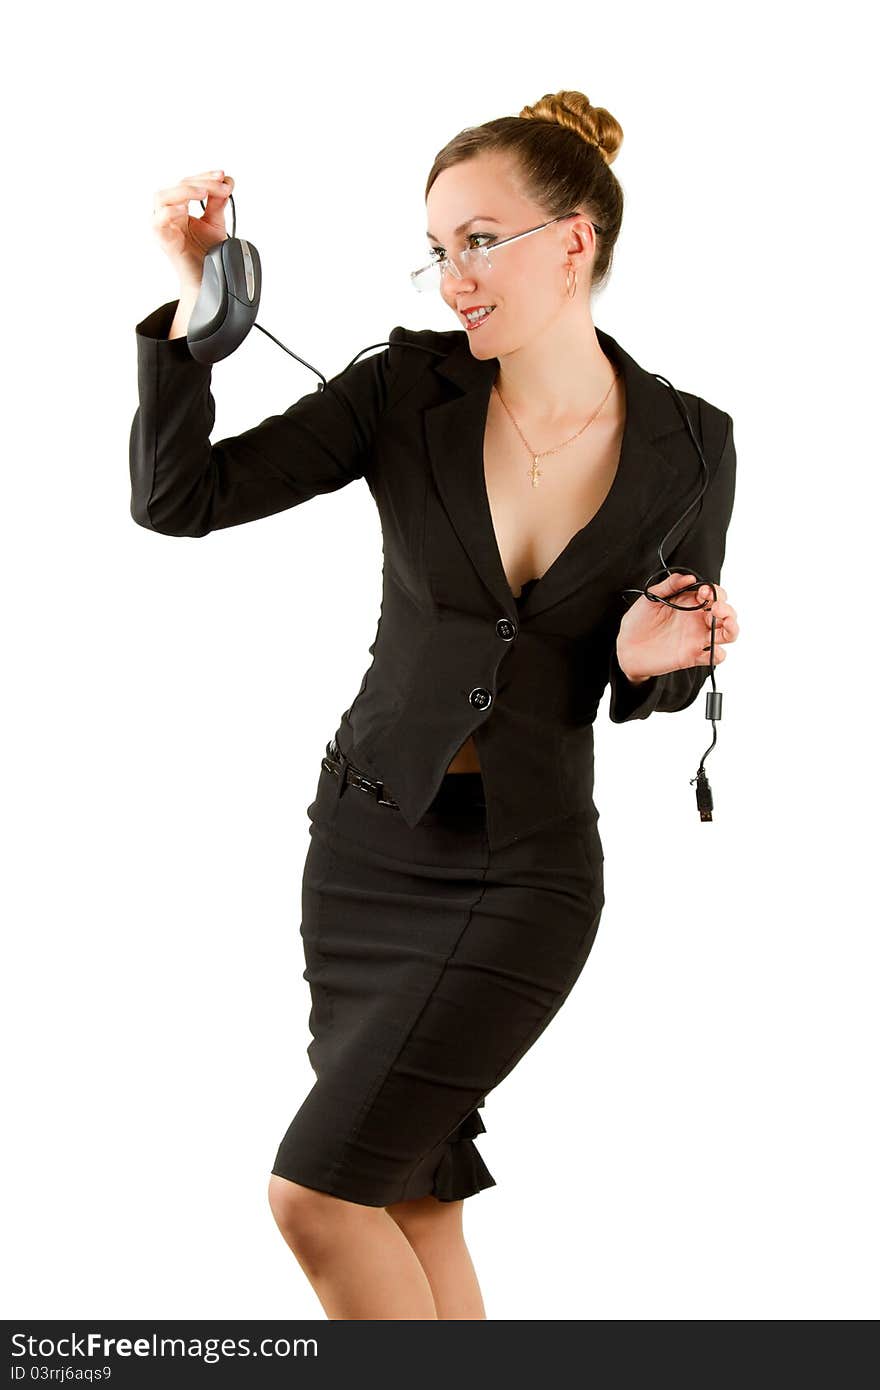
pixel 452 655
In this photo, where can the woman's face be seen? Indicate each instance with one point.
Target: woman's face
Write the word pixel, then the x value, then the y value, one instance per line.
pixel 527 281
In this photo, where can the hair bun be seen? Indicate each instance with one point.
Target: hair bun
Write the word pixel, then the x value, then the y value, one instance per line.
pixel 573 110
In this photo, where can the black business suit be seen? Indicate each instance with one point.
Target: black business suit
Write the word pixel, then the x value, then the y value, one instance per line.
pixel 442 932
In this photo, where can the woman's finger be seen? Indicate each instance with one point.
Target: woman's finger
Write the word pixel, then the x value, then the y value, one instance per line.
pixel 672 584
pixel 725 619
pixel 705 593
pixel 722 633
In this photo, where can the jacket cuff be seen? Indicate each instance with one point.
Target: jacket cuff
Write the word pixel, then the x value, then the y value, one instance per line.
pixel 630 701
pixel 154 330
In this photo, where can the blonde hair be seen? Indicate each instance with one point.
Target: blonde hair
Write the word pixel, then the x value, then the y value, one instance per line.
pixel 561 148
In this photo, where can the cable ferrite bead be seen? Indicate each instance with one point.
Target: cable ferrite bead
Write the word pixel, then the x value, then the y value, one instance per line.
pixel 713 704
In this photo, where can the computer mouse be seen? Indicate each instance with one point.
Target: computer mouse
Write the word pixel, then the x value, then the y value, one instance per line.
pixel 228 302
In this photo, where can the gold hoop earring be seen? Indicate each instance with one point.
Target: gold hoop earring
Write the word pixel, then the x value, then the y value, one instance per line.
pixel 569 290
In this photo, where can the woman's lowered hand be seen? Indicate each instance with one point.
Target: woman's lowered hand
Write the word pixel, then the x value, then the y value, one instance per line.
pixel 655 639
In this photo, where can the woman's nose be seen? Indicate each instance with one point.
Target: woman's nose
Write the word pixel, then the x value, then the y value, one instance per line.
pixel 454 286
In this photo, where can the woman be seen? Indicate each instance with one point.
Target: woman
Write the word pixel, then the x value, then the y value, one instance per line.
pixel 524 474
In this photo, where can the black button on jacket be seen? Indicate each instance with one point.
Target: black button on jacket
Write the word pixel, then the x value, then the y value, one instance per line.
pixel 452 655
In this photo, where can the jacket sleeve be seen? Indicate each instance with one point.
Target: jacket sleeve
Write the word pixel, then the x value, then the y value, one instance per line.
pixel 183 485
pixel 701 549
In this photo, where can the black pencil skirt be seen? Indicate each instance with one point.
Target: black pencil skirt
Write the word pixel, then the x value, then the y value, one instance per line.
pixel 433 964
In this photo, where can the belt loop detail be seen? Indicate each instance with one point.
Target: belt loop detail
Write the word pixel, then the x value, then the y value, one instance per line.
pixel 343 773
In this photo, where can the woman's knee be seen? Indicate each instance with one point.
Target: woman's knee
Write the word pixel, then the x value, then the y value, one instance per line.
pixel 306 1215
pixel 427 1216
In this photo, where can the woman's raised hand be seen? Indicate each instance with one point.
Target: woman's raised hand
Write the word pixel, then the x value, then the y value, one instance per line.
pixel 187 240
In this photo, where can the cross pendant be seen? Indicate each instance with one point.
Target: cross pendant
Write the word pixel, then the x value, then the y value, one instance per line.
pixel 535 472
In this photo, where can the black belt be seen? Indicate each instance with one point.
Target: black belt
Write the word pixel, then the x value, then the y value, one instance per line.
pixel 336 762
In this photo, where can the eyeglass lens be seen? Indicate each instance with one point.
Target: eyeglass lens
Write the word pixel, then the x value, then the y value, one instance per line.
pixel 469 261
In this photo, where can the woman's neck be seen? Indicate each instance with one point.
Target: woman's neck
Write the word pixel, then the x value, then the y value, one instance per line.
pixel 558 377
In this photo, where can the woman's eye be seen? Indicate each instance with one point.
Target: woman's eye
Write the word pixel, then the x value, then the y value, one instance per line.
pixel 437 252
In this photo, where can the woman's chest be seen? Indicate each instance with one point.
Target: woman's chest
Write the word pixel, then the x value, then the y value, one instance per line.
pixel 537 504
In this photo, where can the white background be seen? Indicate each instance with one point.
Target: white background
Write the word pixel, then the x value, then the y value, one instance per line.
pixel 692 1137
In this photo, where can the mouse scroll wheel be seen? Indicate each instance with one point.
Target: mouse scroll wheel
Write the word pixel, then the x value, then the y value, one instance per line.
pixel 249 273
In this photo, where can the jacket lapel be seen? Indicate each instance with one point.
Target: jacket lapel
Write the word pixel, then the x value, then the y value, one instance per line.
pixel 454 433
pixel 648 474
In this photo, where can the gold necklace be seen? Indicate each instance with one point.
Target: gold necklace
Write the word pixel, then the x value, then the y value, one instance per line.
pixel 534 471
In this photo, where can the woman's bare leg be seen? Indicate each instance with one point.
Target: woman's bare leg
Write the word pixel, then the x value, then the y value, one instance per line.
pixel 356 1258
pixel 435 1232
